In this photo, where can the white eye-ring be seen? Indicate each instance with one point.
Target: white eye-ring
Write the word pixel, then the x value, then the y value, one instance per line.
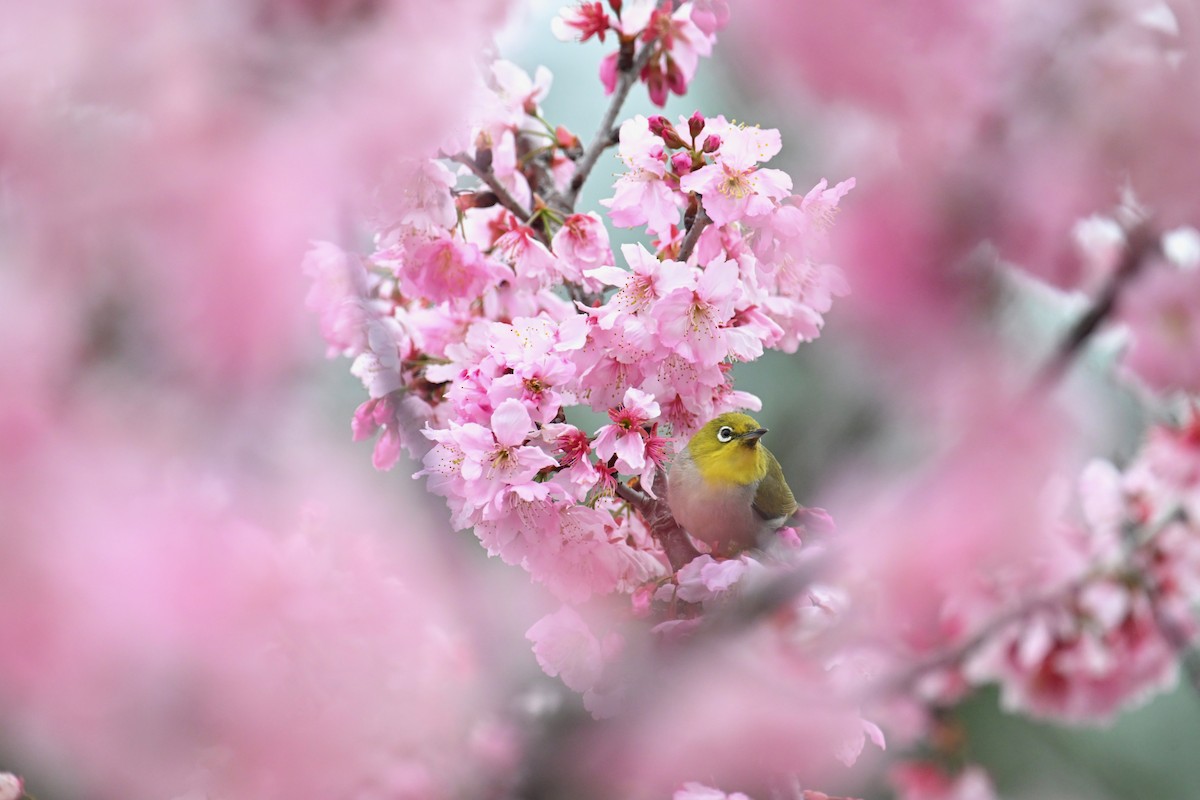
pixel 725 434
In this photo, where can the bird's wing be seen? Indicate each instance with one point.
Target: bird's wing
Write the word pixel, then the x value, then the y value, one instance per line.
pixel 774 499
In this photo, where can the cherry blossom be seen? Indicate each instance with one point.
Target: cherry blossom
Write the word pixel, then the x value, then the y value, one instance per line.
pixel 733 186
pixel 582 22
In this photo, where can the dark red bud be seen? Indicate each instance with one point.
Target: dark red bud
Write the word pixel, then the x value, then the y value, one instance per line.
pixel 483 158
pixel 695 124
pixel 564 138
pixel 486 199
pixel 658 124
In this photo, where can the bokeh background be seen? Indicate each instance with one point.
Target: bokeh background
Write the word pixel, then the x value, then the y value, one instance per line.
pixel 116 376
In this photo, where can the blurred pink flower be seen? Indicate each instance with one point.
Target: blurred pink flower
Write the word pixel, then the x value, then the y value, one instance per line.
pixel 11 787
pixel 925 781
pixel 581 22
pixel 698 791
pixel 1162 311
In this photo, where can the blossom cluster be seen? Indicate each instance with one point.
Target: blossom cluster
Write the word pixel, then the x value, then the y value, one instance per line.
pixel 487 323
pixel 1111 637
pixel 488 313
pixel 674 38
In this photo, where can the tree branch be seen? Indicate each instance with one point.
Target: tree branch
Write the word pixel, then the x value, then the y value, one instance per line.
pixel 693 235
pixel 502 194
pixel 658 518
pixel 604 136
pixel 1142 245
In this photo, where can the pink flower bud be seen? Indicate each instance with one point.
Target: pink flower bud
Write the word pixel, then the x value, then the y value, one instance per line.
pixel 695 124
pixel 660 127
pixel 681 162
pixel 642 596
pixel 712 143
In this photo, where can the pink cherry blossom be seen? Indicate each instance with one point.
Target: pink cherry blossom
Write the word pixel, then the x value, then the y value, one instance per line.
pixel 1161 312
pixel 581 22
pixel 733 186
pixel 705 579
pixel 647 281
pixel 582 244
pixel 642 195
pixel 519 93
pixel 566 648
pixel 519 246
pixel 500 455
pixel 625 438
pixel 416 195
pixel 635 15
pixel 692 320
pixel 681 43
pixel 338 295
pixel 447 269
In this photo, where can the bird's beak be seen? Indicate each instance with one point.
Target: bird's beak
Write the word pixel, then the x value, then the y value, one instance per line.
pixel 753 436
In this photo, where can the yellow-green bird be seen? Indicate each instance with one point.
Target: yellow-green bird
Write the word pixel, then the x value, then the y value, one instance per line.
pixel 726 489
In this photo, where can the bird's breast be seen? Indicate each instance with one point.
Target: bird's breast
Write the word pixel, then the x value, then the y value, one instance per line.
pixel 717 513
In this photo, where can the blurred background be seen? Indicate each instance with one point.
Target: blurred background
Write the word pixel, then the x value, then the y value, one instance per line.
pixel 121 376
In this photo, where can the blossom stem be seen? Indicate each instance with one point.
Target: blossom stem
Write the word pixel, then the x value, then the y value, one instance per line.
pixel 606 135
pixel 502 194
pixel 1143 244
pixel 693 235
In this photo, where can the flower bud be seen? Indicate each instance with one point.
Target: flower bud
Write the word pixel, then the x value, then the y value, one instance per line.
pixel 695 124
pixel 682 163
pixel 564 138
pixel 658 123
pixel 712 143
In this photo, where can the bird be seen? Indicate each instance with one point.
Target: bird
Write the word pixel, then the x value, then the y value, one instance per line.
pixel 726 489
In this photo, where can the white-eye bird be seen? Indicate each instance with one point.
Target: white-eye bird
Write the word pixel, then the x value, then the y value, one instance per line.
pixel 725 487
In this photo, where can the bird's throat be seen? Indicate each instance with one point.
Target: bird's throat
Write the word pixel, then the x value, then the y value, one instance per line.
pixel 735 464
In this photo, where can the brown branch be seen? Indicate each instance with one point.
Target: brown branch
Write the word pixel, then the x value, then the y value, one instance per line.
pixel 502 194
pixel 1142 245
pixel 693 235
pixel 605 136
pixel 658 518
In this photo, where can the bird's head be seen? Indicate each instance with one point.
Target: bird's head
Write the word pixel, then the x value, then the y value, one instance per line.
pixel 726 450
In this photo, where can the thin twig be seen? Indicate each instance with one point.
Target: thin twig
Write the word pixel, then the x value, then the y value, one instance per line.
pixel 693 235
pixel 1142 245
pixel 604 136
pixel 502 194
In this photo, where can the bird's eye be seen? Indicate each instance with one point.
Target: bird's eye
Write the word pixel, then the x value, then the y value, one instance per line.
pixel 725 434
